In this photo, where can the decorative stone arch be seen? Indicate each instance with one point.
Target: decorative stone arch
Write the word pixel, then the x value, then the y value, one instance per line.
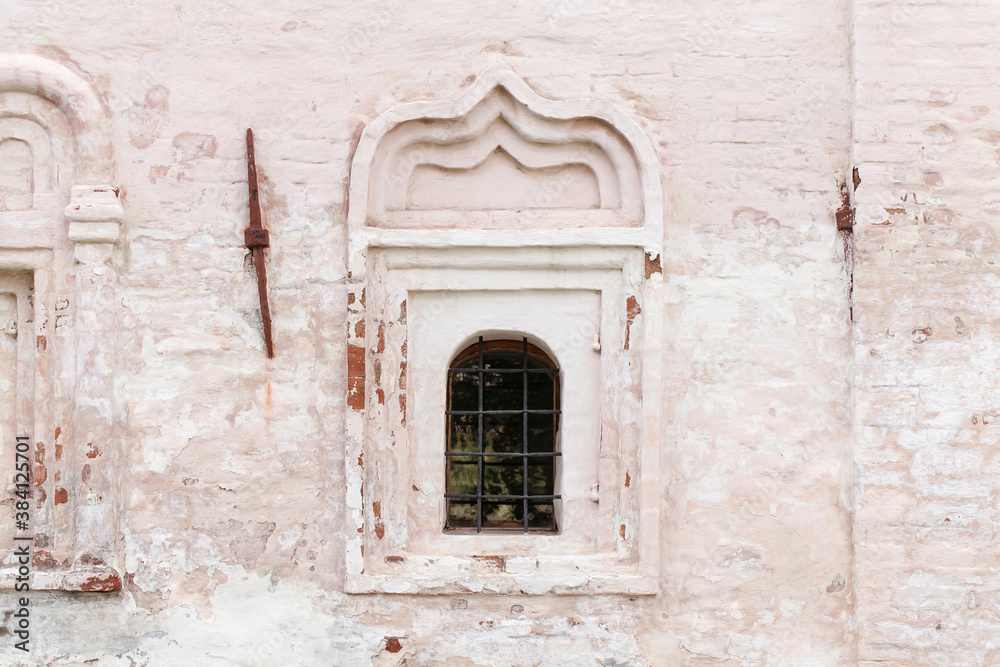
pixel 460 133
pixel 503 211
pixel 55 262
pixel 88 118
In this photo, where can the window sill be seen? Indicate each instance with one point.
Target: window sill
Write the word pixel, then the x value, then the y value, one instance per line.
pixel 503 583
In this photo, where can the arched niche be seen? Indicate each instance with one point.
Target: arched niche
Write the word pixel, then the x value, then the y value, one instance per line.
pixel 59 220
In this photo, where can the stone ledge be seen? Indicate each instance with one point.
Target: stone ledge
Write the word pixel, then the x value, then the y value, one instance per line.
pixel 94 579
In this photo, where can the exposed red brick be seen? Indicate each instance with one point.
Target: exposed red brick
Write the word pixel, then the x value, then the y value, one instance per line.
pixel 58 431
pixel 380 395
pixel 652 265
pixel 85 473
pixel 61 496
pixel 402 312
pixel 355 361
pixel 40 343
pixel 621 531
pixel 632 310
pixel 39 452
pixel 392 645
pixel 90 559
pixel 102 584
pixel 394 559
pixel 59 450
pixel 41 474
pixel 359 329
pixel 43 560
pixel 92 451
pixel 380 347
pixel 632 307
pixel 628 480
pixel 356 393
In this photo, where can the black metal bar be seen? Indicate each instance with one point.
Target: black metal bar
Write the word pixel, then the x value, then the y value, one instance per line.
pixel 500 497
pixel 517 454
pixel 479 481
pixel 524 440
pixel 502 412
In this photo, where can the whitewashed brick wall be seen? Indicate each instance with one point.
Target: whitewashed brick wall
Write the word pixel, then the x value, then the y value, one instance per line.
pixel 828 489
pixel 926 347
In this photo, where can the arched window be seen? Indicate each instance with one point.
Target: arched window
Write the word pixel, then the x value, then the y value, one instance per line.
pixel 502 438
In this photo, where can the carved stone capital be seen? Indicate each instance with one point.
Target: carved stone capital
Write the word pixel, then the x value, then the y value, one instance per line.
pixel 94 214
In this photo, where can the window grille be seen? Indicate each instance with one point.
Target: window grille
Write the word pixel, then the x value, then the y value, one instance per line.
pixel 502 433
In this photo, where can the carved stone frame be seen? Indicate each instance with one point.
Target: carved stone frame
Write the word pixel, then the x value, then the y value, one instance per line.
pixel 63 246
pixel 400 251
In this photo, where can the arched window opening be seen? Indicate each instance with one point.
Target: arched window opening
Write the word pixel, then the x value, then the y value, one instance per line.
pixel 502 438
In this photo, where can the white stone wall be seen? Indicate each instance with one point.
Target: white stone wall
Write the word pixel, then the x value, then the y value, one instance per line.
pixel 827 489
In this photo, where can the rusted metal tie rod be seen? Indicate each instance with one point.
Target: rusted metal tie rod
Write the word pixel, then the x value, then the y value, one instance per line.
pixel 257 239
